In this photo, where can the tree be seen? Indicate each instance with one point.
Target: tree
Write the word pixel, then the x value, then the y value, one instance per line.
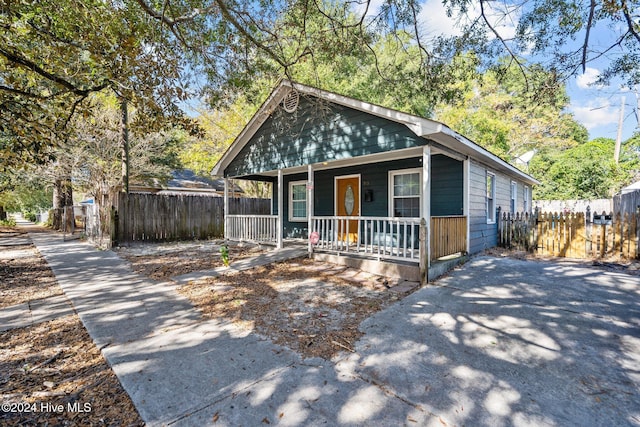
pixel 586 171
pixel 558 33
pixel 218 128
pixel 23 191
pixel 55 54
pixel 497 111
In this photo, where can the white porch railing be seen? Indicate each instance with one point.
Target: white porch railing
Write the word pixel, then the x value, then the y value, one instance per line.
pixel 252 228
pixel 382 237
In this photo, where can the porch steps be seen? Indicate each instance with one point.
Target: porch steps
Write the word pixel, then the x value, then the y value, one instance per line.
pixel 444 265
pixel 395 270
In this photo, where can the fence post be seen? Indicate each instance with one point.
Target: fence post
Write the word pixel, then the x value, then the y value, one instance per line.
pixel 500 227
pixel 114 226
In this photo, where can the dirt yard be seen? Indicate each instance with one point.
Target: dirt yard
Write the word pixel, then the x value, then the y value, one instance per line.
pixel 313 308
pixel 310 307
pixel 165 260
pixel 25 274
pixel 51 373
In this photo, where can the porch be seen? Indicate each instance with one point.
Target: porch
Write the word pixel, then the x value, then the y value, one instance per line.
pixel 393 246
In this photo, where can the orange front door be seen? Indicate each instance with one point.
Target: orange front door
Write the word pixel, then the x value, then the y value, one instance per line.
pixel 348 204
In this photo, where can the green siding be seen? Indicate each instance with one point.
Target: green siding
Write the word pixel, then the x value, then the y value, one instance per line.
pixel 447 186
pixel 318 131
pixel 373 177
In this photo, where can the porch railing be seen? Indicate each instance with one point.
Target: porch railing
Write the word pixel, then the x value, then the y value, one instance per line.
pixel 382 237
pixel 252 228
pixel 448 235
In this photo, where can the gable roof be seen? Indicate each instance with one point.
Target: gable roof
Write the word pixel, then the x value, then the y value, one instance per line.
pixel 425 128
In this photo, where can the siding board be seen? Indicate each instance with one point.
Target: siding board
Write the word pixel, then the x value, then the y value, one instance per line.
pixel 316 132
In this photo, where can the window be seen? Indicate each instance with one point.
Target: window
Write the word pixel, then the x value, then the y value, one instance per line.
pixel 514 197
pixel 405 193
pixel 298 201
pixel 491 198
pixel 525 199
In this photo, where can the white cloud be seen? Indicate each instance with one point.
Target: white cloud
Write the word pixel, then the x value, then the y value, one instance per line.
pixel 586 79
pixel 434 20
pixel 596 112
pixel 371 7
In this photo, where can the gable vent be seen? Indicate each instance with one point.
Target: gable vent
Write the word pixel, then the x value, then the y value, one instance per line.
pixel 290 101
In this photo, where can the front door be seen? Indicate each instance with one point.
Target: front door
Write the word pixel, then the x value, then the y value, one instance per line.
pixel 348 204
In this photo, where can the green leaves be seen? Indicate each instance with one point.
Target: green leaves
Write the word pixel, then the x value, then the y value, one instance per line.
pixel 586 171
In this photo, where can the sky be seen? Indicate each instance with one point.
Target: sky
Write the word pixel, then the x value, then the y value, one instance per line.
pixel 596 107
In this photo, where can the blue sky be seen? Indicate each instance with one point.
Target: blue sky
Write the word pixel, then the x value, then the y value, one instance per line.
pixel 596 107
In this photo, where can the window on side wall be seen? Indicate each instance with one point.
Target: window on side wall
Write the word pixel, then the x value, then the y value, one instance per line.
pixel 491 198
pixel 526 199
pixel 514 197
pixel 298 201
pixel 405 188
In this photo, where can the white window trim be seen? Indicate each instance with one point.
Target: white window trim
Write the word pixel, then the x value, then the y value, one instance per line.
pixel 491 213
pixel 527 195
pixel 393 173
pixel 291 217
pixel 514 196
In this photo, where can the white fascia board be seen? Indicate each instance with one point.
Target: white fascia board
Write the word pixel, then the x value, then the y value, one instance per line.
pixel 252 127
pixel 466 146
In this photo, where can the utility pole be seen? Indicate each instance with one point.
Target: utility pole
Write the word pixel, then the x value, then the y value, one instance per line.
pixel 637 92
pixel 616 154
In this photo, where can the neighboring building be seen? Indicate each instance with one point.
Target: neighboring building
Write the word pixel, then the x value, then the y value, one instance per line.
pixel 187 182
pixel 358 178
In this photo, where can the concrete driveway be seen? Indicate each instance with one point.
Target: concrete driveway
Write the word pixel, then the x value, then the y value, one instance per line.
pixel 504 342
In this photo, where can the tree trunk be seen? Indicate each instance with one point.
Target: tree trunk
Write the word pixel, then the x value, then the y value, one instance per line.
pixel 62 196
pixel 3 214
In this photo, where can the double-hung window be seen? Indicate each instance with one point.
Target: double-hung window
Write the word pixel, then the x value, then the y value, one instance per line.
pixel 514 197
pixel 491 198
pixel 405 193
pixel 525 199
pixel 298 201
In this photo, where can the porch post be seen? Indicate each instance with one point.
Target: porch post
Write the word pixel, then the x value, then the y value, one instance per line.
pixel 310 206
pixel 465 195
pixel 280 223
pixel 226 209
pixel 426 203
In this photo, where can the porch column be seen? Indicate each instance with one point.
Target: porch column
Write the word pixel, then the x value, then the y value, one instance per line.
pixel 426 202
pixel 310 195
pixel 465 195
pixel 280 223
pixel 226 209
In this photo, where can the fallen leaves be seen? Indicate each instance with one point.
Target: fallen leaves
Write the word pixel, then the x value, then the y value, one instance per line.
pixel 310 307
pixel 25 275
pixel 66 378
pixel 53 368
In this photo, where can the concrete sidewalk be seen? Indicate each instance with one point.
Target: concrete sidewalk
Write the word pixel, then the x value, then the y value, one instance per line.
pixel 34 312
pixel 181 370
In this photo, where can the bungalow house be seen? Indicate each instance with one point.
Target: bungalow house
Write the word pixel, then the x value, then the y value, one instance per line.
pixel 361 183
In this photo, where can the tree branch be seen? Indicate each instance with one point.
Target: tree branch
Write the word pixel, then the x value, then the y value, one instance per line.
pixel 32 66
pixel 629 19
pixel 503 42
pixel 592 9
pixel 226 13
pixel 161 16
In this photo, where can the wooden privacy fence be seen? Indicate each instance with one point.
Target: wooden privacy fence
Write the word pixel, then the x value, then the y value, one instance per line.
pixel 153 217
pixel 573 235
